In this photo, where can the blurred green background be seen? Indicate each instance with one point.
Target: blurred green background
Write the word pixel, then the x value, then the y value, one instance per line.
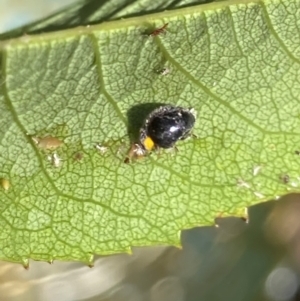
pixel 235 261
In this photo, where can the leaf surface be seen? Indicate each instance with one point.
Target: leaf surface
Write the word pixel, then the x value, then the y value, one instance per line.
pixel 235 62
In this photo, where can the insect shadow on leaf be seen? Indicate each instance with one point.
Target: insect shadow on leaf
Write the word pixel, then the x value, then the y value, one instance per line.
pixel 136 117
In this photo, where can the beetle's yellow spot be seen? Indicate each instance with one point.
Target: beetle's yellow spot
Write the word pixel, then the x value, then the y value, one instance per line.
pixel 5 184
pixel 148 143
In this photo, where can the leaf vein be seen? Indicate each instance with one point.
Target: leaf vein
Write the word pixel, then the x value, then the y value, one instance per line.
pixel 102 84
pixel 275 35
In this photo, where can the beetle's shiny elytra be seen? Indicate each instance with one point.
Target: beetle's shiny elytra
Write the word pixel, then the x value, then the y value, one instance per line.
pixel 165 126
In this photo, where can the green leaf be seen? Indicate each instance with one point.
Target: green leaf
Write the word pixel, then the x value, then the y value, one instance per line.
pixel 235 62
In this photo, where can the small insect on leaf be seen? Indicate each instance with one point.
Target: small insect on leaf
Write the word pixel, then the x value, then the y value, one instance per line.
pixel 102 149
pixel 158 31
pixel 5 184
pixel 166 125
pixel 56 160
pixel 136 152
pixel 47 142
pixel 285 178
pixel 164 71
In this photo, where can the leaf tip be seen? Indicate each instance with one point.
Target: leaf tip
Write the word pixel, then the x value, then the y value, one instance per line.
pixel 25 263
pixel 90 261
pixel 50 261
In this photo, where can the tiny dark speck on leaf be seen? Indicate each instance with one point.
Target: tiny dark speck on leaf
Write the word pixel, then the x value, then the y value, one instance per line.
pixel 285 178
pixel 78 156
